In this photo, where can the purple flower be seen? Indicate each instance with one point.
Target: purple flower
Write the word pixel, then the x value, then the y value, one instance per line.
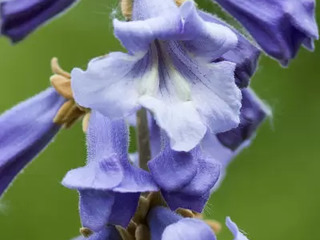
pixel 167 225
pixel 245 55
pixel 253 112
pixel 185 178
pixel 26 130
pixel 109 185
pixel 223 147
pixel 109 233
pixel 170 70
pixel 279 27
pixel 21 17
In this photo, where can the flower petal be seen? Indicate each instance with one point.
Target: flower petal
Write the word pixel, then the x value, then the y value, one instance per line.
pixel 21 17
pixel 188 228
pixel 167 225
pixel 279 27
pixel 105 175
pixel 245 54
pixel 136 180
pixel 172 170
pixel 26 130
pixel 136 36
pixel 205 39
pixel 179 119
pixel 95 208
pixel 107 153
pixel 177 200
pixel 102 86
pixel 196 192
pixel 253 112
pixel 218 99
pixel 158 219
pixel 125 205
pixel 235 230
pixel 208 173
pixel 193 96
pixel 106 138
pixel 212 147
pixel 144 9
pixel 99 208
pixel 223 147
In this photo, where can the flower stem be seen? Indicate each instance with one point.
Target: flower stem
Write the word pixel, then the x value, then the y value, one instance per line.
pixel 143 139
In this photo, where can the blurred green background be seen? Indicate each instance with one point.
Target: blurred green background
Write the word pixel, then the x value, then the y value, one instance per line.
pixel 271 190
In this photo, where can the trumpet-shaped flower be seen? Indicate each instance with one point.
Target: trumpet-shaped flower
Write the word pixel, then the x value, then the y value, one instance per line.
pixel 279 27
pixel 170 69
pixel 31 125
pixel 21 17
pixel 109 185
pixel 26 130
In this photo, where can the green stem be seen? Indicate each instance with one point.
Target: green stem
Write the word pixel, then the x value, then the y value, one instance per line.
pixel 143 139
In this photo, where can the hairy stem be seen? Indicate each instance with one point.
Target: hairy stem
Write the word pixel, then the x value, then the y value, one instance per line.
pixel 143 139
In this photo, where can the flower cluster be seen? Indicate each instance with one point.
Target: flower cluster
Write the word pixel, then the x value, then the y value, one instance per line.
pixel 183 84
